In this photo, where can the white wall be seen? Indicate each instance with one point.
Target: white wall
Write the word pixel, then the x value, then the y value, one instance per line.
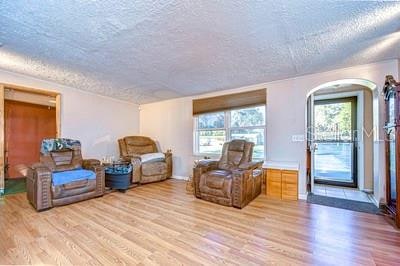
pixel 171 123
pixel 95 120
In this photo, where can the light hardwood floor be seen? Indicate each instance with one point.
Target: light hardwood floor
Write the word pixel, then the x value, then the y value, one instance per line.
pixel 162 224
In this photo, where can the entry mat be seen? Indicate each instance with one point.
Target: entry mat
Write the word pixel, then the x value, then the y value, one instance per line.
pixel 352 205
pixel 13 186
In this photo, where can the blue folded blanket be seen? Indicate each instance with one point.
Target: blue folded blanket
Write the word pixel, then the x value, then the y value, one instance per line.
pixel 65 177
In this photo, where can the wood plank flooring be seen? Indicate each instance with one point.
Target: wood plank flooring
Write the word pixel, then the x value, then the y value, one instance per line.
pixel 161 224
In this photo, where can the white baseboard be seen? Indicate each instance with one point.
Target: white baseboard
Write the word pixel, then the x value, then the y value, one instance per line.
pixel 180 177
pixel 374 200
pixel 303 196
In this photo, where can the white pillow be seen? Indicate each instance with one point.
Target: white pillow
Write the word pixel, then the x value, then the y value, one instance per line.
pixel 152 157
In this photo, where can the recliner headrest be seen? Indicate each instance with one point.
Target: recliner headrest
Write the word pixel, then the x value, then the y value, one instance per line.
pixel 237 145
pixel 138 141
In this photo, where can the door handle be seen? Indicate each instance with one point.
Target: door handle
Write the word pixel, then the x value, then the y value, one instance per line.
pixel 314 147
pixel 390 124
pixel 6 165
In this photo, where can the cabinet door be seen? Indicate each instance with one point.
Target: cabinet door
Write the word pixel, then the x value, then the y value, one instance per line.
pixel 289 185
pixel 274 180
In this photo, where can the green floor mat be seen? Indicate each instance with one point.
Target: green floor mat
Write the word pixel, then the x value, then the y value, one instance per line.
pixel 14 186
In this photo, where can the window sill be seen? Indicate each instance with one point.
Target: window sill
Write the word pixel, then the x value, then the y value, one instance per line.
pixel 211 155
pixel 218 156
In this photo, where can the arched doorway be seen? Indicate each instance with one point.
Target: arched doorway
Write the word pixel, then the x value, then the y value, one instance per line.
pixel 343 154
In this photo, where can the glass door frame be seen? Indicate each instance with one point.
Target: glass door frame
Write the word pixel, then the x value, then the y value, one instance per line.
pixel 354 141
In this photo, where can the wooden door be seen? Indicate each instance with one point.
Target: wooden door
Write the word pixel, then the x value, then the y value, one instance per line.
pixel 25 126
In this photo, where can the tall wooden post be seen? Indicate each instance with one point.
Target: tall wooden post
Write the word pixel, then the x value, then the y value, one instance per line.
pixel 1 140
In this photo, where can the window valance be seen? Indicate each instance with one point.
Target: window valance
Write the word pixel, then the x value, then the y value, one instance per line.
pixel 229 101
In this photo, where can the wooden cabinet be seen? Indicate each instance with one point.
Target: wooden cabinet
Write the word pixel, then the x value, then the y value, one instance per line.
pixel 273 183
pixel 281 184
pixel 289 185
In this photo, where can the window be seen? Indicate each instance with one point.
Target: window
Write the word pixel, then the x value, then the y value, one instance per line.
pixel 213 129
pixel 211 133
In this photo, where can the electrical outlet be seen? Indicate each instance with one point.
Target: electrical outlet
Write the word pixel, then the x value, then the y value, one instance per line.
pixel 298 138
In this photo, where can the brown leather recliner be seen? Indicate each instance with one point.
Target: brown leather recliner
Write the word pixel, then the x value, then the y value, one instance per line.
pixel 234 180
pixel 135 148
pixel 62 176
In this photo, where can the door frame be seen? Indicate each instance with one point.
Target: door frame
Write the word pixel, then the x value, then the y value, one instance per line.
pixel 3 87
pixel 378 151
pixel 310 143
pixel 354 139
pixel 360 128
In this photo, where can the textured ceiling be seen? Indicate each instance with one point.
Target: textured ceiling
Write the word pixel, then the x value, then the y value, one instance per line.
pixel 145 51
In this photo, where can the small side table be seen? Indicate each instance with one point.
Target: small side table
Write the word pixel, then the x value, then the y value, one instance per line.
pixel 118 175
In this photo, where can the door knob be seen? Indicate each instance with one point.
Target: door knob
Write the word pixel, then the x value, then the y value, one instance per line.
pixel 315 147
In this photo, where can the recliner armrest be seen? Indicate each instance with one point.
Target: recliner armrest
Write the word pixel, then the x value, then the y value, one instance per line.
pixel 207 163
pixel 168 160
pixel 250 165
pixel 134 159
pixel 240 179
pixel 201 167
pixel 38 186
pixel 136 168
pixel 38 170
pixel 90 163
pixel 246 185
pixel 95 166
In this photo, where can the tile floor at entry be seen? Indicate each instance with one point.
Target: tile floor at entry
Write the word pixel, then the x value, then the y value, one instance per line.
pixel 341 192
